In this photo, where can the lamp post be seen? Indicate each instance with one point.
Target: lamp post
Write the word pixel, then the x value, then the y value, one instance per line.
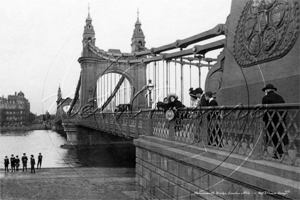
pixel 200 57
pixel 150 87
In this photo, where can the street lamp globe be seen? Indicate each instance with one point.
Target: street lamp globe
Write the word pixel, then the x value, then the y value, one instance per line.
pixel 150 86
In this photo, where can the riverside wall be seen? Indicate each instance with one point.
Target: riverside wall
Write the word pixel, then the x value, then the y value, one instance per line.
pixel 172 170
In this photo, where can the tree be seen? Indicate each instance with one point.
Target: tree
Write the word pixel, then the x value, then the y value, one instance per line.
pixel 31 117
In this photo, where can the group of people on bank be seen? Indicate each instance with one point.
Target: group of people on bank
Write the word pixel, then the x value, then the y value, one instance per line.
pixel 15 162
pixel 200 99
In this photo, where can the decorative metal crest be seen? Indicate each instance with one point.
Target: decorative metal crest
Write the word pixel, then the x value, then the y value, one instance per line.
pixel 267 30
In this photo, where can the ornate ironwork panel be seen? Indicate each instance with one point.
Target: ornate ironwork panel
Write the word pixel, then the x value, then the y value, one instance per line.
pixel 160 124
pixel 270 132
pixel 187 126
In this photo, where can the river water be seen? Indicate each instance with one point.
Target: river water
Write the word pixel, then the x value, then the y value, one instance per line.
pixel 48 144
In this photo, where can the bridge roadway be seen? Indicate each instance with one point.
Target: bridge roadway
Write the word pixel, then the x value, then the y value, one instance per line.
pixel 220 152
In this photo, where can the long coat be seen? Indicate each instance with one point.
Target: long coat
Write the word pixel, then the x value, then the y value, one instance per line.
pixel 12 161
pixel 24 159
pixel 177 104
pixel 213 128
pixel 202 102
pixel 212 103
pixel 6 162
pixel 32 161
pixel 273 98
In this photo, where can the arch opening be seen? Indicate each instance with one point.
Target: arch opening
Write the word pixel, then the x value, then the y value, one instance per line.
pixel 106 85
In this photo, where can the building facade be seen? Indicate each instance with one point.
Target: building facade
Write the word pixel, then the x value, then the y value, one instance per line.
pixel 14 110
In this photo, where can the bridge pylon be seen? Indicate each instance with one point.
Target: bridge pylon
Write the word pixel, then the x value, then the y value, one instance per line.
pixel 93 67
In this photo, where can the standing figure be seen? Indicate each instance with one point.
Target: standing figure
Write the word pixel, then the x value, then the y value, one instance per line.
pixel 17 163
pixel 211 101
pixel 274 124
pixel 214 130
pixel 198 98
pixel 12 163
pixel 24 161
pixel 166 100
pixel 40 158
pixel 6 163
pixel 174 103
pixel 32 163
pixel 162 105
pixel 194 99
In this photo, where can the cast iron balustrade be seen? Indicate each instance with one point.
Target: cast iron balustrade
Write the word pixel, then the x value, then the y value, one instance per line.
pixel 238 129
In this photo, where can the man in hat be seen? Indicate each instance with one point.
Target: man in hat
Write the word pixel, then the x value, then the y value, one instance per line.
pixel 6 163
pixel 273 98
pixel 32 163
pixel 24 161
pixel 210 99
pixel 215 135
pixel 12 163
pixel 17 163
pixel 40 157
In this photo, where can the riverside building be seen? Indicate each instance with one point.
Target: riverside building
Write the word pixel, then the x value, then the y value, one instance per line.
pixel 14 110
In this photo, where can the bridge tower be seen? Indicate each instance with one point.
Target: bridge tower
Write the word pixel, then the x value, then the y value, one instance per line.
pixel 94 67
pixel 138 37
pixel 58 101
pixel 59 96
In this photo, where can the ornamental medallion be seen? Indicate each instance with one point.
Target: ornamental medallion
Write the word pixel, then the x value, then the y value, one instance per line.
pixel 170 115
pixel 267 30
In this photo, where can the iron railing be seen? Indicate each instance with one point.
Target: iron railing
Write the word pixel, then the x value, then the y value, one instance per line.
pixel 268 132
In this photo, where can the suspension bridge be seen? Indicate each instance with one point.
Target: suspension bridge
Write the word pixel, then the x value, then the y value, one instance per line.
pixel 223 152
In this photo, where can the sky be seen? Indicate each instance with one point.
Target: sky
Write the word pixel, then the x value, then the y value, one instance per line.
pixel 41 41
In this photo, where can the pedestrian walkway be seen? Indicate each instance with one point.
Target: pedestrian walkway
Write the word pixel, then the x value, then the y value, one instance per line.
pixel 69 183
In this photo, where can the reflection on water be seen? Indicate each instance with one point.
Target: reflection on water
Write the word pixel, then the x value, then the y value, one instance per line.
pixel 48 143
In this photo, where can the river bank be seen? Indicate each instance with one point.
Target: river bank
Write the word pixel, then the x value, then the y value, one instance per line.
pixel 25 128
pixel 69 183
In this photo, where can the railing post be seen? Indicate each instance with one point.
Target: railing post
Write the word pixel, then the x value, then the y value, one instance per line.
pixel 150 129
pixel 114 124
pixel 106 122
pixel 203 129
pixel 122 125
pixel 172 129
pixel 103 122
pixel 95 121
pixel 128 129
pixel 257 151
pixel 109 125
pixel 136 135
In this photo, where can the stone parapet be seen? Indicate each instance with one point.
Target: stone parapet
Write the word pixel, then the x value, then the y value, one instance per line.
pixel 166 170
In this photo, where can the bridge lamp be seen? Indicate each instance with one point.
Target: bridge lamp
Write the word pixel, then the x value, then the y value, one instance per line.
pixel 150 87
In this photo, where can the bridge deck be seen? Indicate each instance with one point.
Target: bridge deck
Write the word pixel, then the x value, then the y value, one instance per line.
pixel 242 130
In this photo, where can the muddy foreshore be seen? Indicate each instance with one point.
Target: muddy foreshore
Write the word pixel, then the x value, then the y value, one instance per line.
pixel 69 183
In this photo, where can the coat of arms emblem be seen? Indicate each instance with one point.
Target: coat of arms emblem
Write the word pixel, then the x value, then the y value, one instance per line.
pixel 267 30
